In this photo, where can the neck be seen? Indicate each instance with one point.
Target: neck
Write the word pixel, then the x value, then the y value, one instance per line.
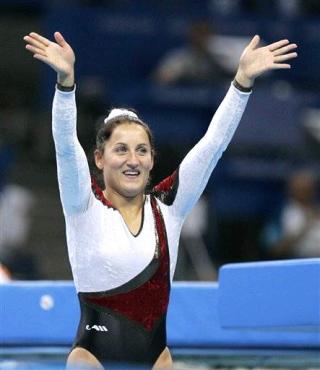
pixel 124 204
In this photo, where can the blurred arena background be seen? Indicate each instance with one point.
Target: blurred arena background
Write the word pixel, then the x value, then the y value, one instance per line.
pixel 121 46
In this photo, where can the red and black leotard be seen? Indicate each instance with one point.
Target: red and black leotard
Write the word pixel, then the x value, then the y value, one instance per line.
pixel 123 280
pixel 132 317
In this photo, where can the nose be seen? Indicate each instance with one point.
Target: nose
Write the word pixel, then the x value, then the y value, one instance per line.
pixel 133 160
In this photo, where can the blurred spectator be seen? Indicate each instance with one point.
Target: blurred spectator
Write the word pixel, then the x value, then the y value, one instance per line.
pixel 194 260
pixel 297 234
pixel 197 61
pixel 15 206
pixel 16 203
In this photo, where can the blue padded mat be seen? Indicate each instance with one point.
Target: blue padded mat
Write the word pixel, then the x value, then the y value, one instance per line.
pixel 278 294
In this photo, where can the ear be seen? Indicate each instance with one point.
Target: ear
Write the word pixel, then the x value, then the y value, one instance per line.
pixel 98 158
pixel 152 162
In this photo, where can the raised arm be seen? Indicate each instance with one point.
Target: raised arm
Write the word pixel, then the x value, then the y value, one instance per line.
pixel 197 166
pixel 73 170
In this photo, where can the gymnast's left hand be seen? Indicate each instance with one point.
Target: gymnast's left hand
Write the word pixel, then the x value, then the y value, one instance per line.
pixel 256 60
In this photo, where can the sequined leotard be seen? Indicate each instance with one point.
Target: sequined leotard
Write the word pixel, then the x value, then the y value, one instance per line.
pixel 123 280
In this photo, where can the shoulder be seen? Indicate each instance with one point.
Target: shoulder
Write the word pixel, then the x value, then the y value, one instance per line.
pixel 166 190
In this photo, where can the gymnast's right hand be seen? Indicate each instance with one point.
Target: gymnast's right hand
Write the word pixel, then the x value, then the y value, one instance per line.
pixel 58 55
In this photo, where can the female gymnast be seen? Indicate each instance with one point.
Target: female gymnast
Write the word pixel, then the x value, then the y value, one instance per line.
pixel 123 241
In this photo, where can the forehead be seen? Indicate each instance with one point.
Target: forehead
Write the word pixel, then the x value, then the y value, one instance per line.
pixel 128 132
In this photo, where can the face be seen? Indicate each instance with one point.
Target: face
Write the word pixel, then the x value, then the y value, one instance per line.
pixel 126 161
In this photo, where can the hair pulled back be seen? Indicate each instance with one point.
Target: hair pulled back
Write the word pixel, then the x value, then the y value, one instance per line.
pixel 110 124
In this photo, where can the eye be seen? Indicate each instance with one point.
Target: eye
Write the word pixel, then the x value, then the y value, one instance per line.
pixel 142 150
pixel 120 149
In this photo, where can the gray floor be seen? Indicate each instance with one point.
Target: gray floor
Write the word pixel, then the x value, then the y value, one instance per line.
pixel 27 358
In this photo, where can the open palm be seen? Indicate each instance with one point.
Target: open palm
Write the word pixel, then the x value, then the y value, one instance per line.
pixel 58 55
pixel 256 60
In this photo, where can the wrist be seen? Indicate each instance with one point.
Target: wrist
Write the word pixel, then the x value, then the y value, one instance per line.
pixel 243 80
pixel 241 87
pixel 66 80
pixel 65 88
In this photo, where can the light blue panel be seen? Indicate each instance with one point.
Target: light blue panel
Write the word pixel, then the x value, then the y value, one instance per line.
pixel 271 294
pixel 47 313
pixel 193 321
pixel 191 317
pixel 38 313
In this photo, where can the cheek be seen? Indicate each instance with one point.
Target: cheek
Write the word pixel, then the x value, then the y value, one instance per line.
pixel 112 163
pixel 148 164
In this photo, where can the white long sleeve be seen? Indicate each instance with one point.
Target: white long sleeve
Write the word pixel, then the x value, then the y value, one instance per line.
pixel 72 165
pixel 197 166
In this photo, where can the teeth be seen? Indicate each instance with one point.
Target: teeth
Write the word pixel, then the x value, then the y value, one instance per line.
pixel 131 172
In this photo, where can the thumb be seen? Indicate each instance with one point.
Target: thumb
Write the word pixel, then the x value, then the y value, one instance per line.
pixel 254 42
pixel 60 39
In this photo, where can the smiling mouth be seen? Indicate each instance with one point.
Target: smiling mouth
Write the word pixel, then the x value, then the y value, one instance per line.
pixel 131 173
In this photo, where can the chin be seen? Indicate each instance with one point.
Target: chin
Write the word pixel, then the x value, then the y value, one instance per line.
pixel 132 189
pixel 131 195
pixel 132 192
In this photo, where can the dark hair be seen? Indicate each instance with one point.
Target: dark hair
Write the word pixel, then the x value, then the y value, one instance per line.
pixel 106 129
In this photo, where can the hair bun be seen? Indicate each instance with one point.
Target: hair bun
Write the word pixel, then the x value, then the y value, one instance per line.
pixel 120 112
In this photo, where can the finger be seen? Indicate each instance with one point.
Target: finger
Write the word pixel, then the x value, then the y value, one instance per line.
pixel 254 42
pixel 40 38
pixel 284 49
pixel 33 42
pixel 282 58
pixel 278 44
pixel 60 39
pixel 41 58
pixel 35 50
pixel 280 66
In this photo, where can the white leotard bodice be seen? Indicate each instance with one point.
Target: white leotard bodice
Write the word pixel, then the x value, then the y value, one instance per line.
pixel 102 251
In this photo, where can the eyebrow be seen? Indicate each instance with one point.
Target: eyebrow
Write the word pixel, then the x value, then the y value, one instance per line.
pixel 141 144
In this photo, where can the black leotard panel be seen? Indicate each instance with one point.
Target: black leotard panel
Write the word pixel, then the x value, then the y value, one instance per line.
pixel 128 324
